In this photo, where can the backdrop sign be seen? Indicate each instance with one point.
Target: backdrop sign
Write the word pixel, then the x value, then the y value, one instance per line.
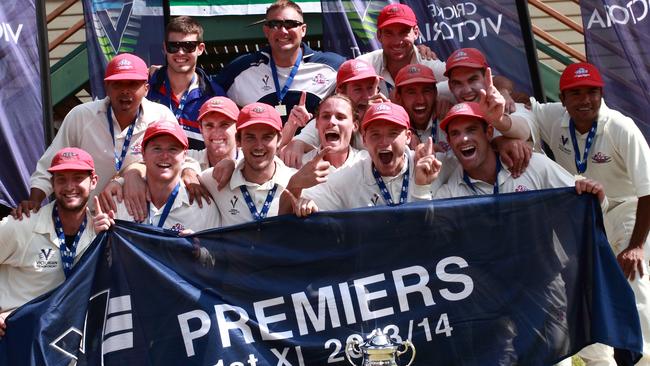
pixel 118 26
pixel 209 8
pixel 617 33
pixel 21 109
pixel 493 26
pixel 256 295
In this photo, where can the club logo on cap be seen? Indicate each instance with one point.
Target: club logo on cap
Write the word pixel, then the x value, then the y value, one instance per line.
pixel 581 73
pixel 124 64
pixel 382 107
pixel 394 10
pixel 460 107
pixel 69 155
pixel 259 109
pixel 216 102
pixel 359 66
pixel 460 55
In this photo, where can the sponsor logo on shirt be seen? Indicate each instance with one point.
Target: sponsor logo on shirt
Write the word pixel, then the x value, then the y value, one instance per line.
pixel 319 79
pixel 600 158
pixel 136 149
pixel 233 201
pixel 564 148
pixel 45 259
pixel 266 86
pixel 521 188
pixel 177 228
pixel 444 146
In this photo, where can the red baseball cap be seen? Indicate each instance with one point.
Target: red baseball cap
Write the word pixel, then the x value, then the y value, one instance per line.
pixel 355 69
pixel 396 13
pixel 126 66
pixel 414 73
pixel 468 57
pixel 388 111
pixel 259 113
pixel 580 74
pixel 467 109
pixel 165 127
pixel 71 158
pixel 221 105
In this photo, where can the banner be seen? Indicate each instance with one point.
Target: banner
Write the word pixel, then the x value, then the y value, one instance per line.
pixel 118 26
pixel 22 138
pixel 208 8
pixel 525 279
pixel 617 33
pixel 350 26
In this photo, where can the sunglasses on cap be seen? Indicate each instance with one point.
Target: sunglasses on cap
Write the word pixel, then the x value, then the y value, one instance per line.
pixel 187 46
pixel 286 24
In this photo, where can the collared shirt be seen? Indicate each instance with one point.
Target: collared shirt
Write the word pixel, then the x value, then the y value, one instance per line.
pixel 619 158
pixel 355 187
pixel 30 257
pixel 86 127
pixel 182 215
pixel 378 61
pixel 354 156
pixel 230 201
pixel 542 173
pixel 249 79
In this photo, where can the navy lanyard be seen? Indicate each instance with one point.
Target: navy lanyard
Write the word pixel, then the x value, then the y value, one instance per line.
pixel 434 130
pixel 294 70
pixel 257 216
pixel 384 191
pixel 496 179
pixel 581 164
pixel 167 208
pixel 181 103
pixel 67 255
pixel 119 160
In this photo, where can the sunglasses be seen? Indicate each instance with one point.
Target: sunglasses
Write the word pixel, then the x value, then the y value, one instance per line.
pixel 286 24
pixel 187 46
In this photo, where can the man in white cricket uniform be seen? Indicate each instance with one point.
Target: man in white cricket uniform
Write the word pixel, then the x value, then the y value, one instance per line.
pixel 39 252
pixel 389 175
pixel 259 179
pixel 164 149
pixel 591 140
pixel 397 30
pixel 110 129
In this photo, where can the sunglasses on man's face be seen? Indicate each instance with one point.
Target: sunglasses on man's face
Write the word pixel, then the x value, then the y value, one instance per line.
pixel 286 24
pixel 187 46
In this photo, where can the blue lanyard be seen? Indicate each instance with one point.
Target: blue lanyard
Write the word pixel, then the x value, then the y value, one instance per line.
pixel 181 103
pixel 167 208
pixel 495 190
pixel 257 216
pixel 67 255
pixel 581 164
pixel 434 130
pixel 292 74
pixel 119 160
pixel 384 191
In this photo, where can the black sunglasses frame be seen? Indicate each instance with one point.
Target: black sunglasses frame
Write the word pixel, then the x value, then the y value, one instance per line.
pixel 187 46
pixel 283 23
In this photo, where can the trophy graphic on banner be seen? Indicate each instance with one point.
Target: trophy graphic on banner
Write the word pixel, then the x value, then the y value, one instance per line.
pixel 379 350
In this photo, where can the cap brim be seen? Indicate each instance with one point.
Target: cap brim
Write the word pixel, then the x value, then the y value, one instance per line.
pixel 580 83
pixel 71 167
pixel 359 77
pixel 445 122
pixel 183 143
pixel 384 118
pixel 397 21
pixel 258 122
pixel 473 65
pixel 416 80
pixel 127 76
pixel 221 112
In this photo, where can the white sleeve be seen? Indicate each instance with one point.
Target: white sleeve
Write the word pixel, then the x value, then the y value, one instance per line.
pixel 309 134
pixel 545 115
pixel 633 148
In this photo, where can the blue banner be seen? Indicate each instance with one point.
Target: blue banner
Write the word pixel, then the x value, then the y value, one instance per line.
pixel 526 279
pixel 493 26
pixel 118 26
pixel 21 109
pixel 617 33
